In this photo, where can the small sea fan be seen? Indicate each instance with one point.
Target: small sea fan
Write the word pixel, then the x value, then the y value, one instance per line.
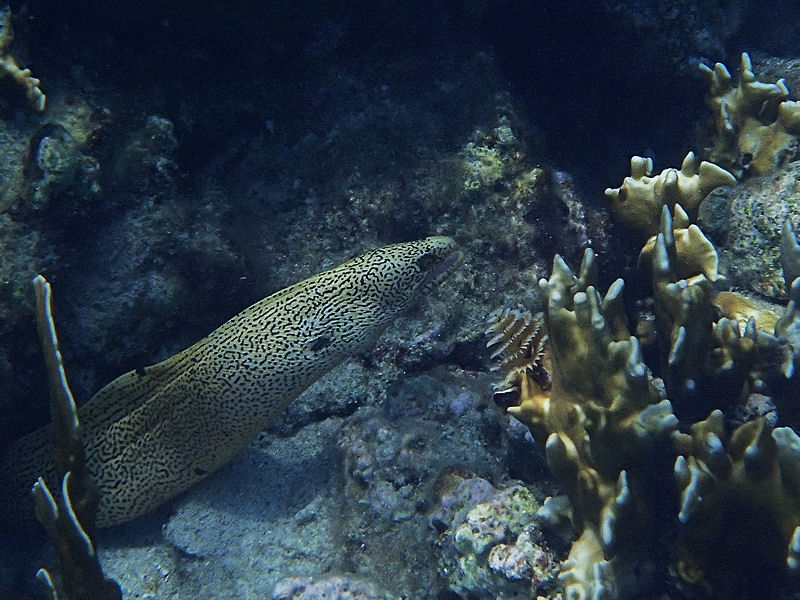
pixel 518 346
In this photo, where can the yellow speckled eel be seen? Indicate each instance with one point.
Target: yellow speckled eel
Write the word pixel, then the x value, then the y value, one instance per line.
pixel 152 433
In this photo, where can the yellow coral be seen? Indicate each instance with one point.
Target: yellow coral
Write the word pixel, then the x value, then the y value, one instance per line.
pixel 694 252
pixel 69 520
pixel 737 306
pixel 10 68
pixel 757 128
pixel 738 492
pixel 638 201
pixel 765 148
pixel 603 427
pixel 604 423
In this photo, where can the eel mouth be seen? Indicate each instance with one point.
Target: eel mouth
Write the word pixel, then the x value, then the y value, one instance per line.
pixel 446 266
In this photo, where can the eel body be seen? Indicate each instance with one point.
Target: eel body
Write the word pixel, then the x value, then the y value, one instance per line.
pixel 152 433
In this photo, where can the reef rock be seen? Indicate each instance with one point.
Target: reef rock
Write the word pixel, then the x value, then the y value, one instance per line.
pixel 490 546
pixel 747 220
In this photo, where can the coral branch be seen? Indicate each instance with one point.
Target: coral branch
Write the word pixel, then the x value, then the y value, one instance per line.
pixel 10 68
pixel 70 519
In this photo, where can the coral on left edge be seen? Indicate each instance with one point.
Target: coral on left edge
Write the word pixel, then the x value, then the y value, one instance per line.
pixel 9 67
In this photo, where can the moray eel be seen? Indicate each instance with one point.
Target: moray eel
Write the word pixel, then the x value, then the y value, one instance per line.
pixel 152 433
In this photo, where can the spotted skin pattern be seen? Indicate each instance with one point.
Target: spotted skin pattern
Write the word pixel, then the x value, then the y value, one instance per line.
pixel 152 433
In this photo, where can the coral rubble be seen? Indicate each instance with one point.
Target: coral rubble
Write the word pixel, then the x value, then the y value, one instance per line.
pixel 490 545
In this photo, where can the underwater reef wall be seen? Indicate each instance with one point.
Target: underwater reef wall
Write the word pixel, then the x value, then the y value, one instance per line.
pixel 160 202
pixel 146 257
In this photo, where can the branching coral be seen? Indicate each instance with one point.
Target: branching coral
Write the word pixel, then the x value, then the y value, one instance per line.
pixel 10 68
pixel 692 254
pixel 640 198
pixel 603 419
pixel 741 490
pixel 739 508
pixel 732 491
pixel 790 253
pixel 787 328
pixel 603 426
pixel 610 436
pixel 756 126
pixel 70 519
pixel 684 313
